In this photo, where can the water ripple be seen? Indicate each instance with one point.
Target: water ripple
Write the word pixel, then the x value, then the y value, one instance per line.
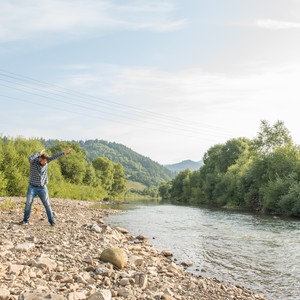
pixel 259 252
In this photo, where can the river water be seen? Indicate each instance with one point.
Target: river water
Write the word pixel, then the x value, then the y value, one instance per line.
pixel 259 252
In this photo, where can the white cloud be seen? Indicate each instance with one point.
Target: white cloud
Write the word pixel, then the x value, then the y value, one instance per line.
pixel 208 108
pixel 276 25
pixel 208 105
pixel 23 19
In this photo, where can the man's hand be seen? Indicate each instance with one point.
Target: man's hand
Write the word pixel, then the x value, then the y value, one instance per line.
pixel 68 151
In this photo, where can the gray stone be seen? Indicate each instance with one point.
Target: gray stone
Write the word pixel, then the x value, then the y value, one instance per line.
pixel 88 259
pixel 124 292
pixel 104 271
pixel 122 230
pixel 124 281
pixel 136 260
pixel 32 296
pixel 167 253
pixel 46 262
pixel 96 228
pixel 141 279
pixel 25 247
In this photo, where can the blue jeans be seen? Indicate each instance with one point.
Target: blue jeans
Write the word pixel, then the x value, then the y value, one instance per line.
pixel 42 192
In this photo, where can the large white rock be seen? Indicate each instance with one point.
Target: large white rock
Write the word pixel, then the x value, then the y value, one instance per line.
pixel 116 256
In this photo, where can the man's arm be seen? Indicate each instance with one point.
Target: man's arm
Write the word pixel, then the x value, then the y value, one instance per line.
pixel 59 154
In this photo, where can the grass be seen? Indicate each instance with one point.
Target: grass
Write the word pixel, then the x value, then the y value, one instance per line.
pixel 135 185
pixel 7 205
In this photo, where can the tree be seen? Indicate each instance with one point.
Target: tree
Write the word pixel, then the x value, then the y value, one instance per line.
pixel 271 137
pixel 73 166
pixel 105 172
pixel 165 190
pixel 180 186
pixel 119 183
pixel 90 177
pixel 262 174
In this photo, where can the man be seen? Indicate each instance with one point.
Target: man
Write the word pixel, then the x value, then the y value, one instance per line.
pixel 38 180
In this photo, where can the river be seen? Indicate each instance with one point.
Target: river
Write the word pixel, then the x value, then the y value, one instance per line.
pixel 259 252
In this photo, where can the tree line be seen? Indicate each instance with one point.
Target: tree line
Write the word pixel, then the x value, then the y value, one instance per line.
pixel 73 177
pixel 260 174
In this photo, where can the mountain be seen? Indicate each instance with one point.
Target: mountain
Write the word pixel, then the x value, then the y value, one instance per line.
pixel 136 166
pixel 186 164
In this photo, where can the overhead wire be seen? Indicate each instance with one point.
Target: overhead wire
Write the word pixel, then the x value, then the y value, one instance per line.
pixel 119 112
pixel 108 102
pixel 119 109
pixel 175 132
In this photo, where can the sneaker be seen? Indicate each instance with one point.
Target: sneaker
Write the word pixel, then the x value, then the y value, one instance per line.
pixel 52 223
pixel 23 223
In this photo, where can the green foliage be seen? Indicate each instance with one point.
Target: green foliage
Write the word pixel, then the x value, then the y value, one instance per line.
pixel 271 137
pixel 165 190
pixel 119 183
pixel 136 167
pixel 104 171
pixel 262 174
pixel 180 186
pixel 71 176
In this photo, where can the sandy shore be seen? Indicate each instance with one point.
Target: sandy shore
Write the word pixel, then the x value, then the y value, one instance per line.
pixel 66 261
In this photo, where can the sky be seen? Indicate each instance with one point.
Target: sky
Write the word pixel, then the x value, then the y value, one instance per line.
pixel 167 78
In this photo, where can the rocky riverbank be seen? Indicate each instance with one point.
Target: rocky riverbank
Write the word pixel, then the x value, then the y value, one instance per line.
pixel 68 261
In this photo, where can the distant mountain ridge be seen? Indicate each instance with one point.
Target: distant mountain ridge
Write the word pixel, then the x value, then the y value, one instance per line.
pixel 137 167
pixel 186 164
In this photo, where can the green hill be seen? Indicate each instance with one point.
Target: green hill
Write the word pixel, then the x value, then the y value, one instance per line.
pixel 136 166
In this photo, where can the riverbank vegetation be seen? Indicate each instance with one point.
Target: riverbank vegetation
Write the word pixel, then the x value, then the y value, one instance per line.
pixel 262 174
pixel 72 176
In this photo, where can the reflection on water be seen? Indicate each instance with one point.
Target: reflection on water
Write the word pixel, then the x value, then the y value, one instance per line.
pixel 259 252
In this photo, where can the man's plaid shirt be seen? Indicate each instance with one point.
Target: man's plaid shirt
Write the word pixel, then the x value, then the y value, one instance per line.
pixel 38 174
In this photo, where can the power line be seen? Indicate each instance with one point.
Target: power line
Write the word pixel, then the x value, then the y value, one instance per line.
pixel 108 102
pixel 175 132
pixel 135 115
pixel 133 112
